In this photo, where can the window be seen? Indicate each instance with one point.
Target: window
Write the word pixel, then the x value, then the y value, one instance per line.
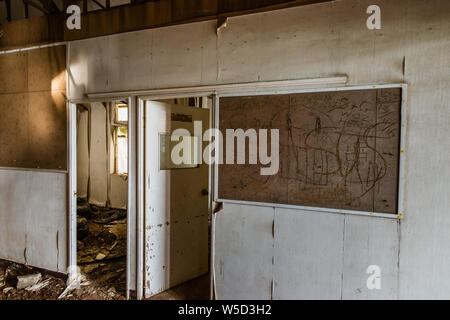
pixel 120 139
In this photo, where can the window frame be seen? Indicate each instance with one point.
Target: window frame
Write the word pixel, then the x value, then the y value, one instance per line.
pixel 117 125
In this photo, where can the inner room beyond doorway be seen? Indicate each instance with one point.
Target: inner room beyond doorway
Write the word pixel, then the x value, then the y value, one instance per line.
pixel 102 193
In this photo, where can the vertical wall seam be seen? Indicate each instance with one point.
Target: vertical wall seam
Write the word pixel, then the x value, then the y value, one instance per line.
pixel 399 232
pixel 108 107
pixel 218 67
pixel 57 251
pixel 343 259
pixel 404 67
pixel 89 138
pixel 28 213
pixel 25 254
pixel 202 57
pixel 272 293
pixel 151 59
pixel 25 249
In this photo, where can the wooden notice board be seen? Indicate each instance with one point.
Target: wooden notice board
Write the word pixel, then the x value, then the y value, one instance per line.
pixel 337 149
pixel 33 116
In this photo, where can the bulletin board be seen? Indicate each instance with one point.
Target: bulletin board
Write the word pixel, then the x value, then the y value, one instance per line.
pixel 337 149
pixel 33 115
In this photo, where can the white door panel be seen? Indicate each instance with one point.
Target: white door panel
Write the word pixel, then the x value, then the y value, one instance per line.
pixel 176 211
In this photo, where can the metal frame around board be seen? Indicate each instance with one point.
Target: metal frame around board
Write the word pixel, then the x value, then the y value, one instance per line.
pixel 402 154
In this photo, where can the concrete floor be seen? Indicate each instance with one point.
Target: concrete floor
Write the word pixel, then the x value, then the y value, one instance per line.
pixel 196 289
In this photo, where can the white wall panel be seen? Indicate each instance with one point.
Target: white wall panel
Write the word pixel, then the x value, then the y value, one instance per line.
pixel 33 218
pixel 244 248
pixel 370 241
pixel 308 255
pixel 82 154
pixel 128 53
pixel 424 250
pixel 98 170
pixel 184 55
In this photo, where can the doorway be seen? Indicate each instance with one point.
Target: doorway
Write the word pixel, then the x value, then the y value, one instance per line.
pixel 177 199
pixel 102 194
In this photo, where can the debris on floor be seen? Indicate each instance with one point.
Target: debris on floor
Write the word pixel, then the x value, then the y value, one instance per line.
pixel 28 280
pixel 102 245
pixel 48 287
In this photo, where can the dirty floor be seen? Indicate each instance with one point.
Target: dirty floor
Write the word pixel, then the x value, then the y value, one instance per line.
pixel 102 246
pixel 196 289
pixel 49 286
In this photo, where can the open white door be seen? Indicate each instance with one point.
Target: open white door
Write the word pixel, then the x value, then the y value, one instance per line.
pixel 176 201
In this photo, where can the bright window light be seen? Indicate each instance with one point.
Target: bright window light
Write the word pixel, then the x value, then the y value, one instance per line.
pixel 121 140
pixel 122 150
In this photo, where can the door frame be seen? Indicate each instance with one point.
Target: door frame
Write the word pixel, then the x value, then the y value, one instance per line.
pixel 339 82
pixel 141 125
pixel 131 181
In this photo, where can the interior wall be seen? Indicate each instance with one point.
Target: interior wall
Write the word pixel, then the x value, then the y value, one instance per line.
pixel 92 163
pixel 33 202
pixel 308 254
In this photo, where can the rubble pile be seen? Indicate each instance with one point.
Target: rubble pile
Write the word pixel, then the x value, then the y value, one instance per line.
pixel 20 282
pixel 102 245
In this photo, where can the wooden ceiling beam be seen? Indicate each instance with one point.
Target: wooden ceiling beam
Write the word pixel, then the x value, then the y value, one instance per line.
pixel 142 15
pixel 8 10
pixel 25 9
pixel 231 8
pixel 98 4
pixel 37 6
pixel 159 13
pixel 49 5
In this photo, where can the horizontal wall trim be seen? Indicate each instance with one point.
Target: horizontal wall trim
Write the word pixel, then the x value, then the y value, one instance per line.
pixel 224 88
pixel 34 170
pixel 33 47
pixel 162 13
pixel 305 208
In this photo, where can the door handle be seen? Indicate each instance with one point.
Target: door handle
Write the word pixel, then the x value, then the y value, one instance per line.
pixel 205 192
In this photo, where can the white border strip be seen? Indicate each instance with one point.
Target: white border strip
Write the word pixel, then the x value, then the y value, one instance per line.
pixel 310 90
pixel 216 147
pixel 72 189
pixel 131 195
pixel 223 88
pixel 140 197
pixel 34 48
pixel 402 161
pixel 320 209
pixel 401 179
pixel 35 170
